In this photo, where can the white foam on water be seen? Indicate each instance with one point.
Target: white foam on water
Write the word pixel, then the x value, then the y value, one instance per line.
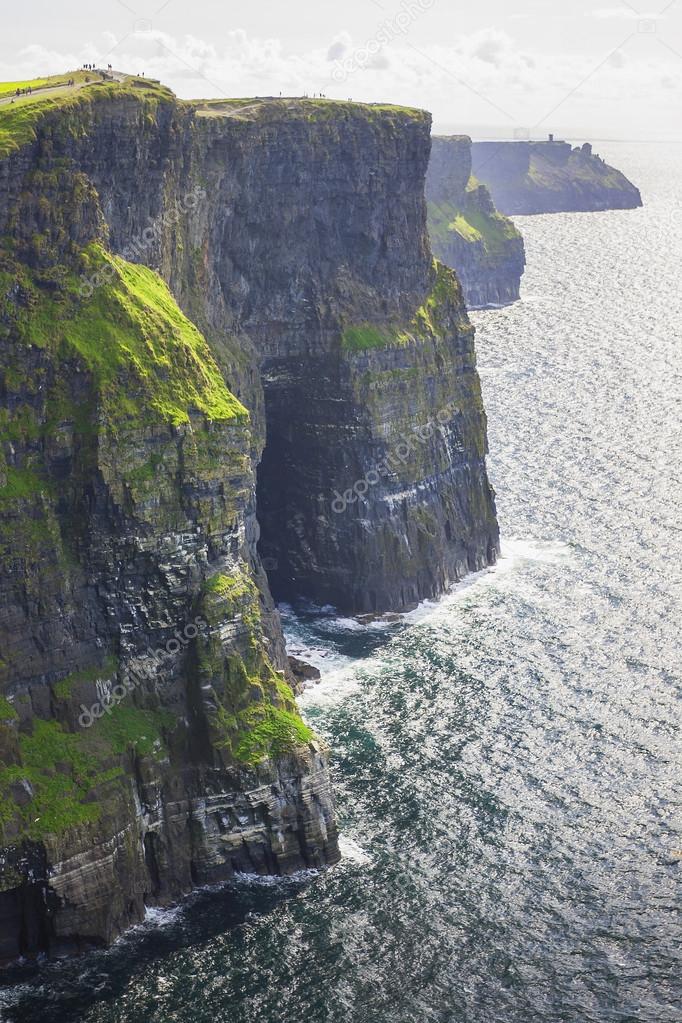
pixel 353 852
pixel 334 686
pixel 516 553
pixel 273 880
pixel 327 660
pixel 156 916
pixel 342 676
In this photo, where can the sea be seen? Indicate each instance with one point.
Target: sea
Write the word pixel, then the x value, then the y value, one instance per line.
pixel 506 759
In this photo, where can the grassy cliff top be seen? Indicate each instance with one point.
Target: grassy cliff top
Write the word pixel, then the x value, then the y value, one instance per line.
pixel 21 115
pixel 8 89
pixel 270 108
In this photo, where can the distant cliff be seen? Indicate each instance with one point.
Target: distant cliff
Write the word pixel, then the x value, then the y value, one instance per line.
pixel 467 233
pixel 551 177
pixel 228 363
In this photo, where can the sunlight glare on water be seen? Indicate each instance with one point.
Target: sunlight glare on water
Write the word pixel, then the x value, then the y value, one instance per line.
pixel 506 760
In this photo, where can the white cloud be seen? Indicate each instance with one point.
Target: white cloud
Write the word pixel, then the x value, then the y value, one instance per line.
pixel 465 80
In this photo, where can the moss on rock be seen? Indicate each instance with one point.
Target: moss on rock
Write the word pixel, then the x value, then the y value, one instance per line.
pixel 425 324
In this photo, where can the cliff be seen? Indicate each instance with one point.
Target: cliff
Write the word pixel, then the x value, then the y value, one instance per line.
pixel 551 177
pixel 224 344
pixel 467 233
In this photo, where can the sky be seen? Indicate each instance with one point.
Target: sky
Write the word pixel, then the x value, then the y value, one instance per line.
pixel 586 69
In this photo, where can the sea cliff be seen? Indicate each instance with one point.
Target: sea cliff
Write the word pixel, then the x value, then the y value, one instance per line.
pixel 229 366
pixel 467 233
pixel 551 177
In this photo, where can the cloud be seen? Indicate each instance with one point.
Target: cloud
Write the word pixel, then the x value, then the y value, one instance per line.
pixel 340 46
pixel 484 77
pixel 491 46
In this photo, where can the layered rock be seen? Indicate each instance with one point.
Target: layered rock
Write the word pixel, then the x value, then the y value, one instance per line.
pixel 551 177
pixel 323 343
pixel 149 739
pixel 467 233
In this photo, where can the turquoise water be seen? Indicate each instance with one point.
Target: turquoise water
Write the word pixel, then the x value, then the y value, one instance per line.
pixel 507 761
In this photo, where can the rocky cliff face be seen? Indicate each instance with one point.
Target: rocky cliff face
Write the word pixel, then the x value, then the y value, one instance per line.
pixel 551 177
pixel 467 233
pixel 149 740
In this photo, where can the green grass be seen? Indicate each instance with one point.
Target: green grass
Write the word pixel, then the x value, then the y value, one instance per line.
pixel 465 229
pixel 257 729
pixel 265 108
pixel 425 323
pixel 7 711
pixel 269 732
pixel 230 587
pixel 63 689
pixel 129 727
pixel 20 121
pixel 136 325
pixel 21 484
pixel 10 88
pixel 492 230
pixel 61 773
pixel 364 337
pixel 148 361
pixel 579 169
pixel 226 597
pixel 67 772
pixel 256 716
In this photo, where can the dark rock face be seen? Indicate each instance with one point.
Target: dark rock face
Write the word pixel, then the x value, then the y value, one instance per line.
pixel 551 177
pixel 467 233
pixel 132 528
pixel 274 266
pixel 304 672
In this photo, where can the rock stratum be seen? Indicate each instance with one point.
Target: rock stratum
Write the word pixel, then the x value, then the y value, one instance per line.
pixel 466 231
pixel 224 345
pixel 551 177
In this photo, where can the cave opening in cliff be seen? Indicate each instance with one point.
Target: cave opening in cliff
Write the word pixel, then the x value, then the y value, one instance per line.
pixel 276 512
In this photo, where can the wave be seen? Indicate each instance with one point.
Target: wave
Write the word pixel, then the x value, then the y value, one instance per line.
pixel 341 674
pixel 352 851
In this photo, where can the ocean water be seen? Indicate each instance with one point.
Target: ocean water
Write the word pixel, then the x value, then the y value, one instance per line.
pixel 507 760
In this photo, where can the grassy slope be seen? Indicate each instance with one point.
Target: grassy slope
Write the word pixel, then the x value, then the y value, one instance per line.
pixel 148 361
pixel 49 82
pixel 256 713
pixel 19 121
pixel 61 773
pixel 492 231
pixel 581 169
